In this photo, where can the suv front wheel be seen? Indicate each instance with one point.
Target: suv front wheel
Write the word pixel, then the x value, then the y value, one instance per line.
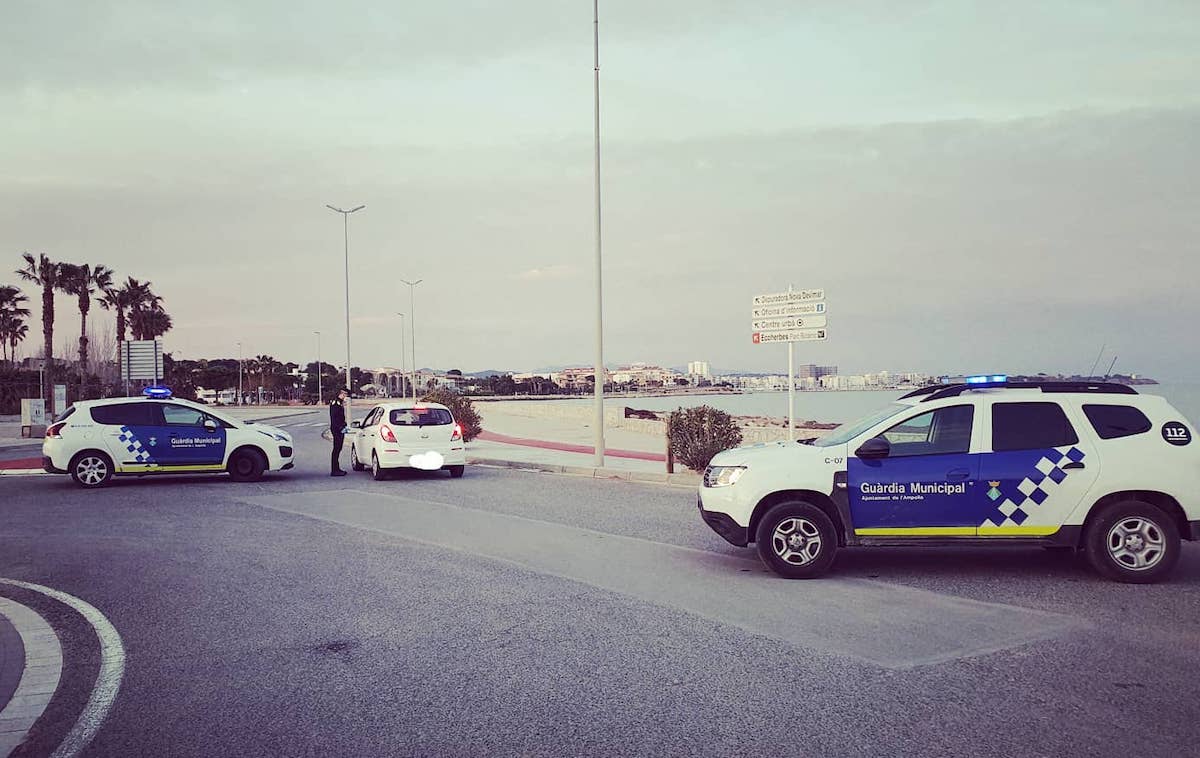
pixel 796 540
pixel 1133 542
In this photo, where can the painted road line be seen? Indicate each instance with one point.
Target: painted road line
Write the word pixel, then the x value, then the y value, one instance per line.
pixel 42 669
pixel 24 472
pixel 888 625
pixel 108 679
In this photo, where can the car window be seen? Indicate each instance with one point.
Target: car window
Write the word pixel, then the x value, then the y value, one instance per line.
pixel 373 417
pixel 127 414
pixel 65 414
pixel 943 431
pixel 181 415
pixel 844 434
pixel 421 417
pixel 1113 421
pixel 1030 426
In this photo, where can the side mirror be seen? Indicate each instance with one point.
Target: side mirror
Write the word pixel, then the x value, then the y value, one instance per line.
pixel 876 447
pixel 356 424
pixel 210 426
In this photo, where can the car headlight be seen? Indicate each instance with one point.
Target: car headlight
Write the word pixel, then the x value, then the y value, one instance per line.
pixel 722 476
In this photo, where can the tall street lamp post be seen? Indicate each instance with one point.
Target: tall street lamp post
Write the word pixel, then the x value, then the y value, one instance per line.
pixel 320 401
pixel 598 384
pixel 412 304
pixel 403 358
pixel 239 402
pixel 346 243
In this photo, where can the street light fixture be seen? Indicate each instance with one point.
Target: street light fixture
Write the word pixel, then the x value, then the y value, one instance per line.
pixel 346 243
pixel 598 384
pixel 412 305
pixel 403 359
pixel 320 401
pixel 239 402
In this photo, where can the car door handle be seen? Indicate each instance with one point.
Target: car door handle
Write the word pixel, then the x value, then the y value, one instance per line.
pixel 1074 465
pixel 957 474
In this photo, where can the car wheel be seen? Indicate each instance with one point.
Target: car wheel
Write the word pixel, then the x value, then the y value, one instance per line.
pixel 1133 542
pixel 378 473
pixel 91 469
pixel 796 540
pixel 456 472
pixel 246 466
pixel 355 463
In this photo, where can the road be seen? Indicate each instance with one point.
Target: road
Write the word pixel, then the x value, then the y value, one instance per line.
pixel 515 613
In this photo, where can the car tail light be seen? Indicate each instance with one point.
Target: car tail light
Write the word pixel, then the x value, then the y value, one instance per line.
pixel 54 429
pixel 457 433
pixel 386 434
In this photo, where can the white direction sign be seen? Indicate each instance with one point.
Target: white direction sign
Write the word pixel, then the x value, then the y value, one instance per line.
pixel 794 322
pixel 141 359
pixel 789 335
pixel 784 298
pixel 794 309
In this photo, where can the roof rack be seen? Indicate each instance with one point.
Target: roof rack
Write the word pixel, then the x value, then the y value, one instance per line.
pixel 953 390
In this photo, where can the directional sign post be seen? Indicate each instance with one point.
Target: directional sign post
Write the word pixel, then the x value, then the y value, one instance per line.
pixel 141 360
pixel 789 317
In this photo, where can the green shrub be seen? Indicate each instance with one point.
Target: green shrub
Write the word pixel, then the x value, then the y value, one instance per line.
pixel 697 434
pixel 460 405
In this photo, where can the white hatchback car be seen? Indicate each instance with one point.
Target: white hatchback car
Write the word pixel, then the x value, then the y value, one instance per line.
pixel 400 435
pixel 94 440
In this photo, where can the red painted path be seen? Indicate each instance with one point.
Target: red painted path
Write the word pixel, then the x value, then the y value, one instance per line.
pixel 22 463
pixel 567 447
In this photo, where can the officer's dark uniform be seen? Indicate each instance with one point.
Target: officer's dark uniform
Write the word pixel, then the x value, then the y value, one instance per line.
pixel 337 422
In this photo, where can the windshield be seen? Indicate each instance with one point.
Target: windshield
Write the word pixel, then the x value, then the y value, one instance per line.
pixel 847 432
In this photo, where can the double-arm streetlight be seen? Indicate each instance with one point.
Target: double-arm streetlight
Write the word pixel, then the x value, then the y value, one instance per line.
pixel 403 359
pixel 346 241
pixel 412 304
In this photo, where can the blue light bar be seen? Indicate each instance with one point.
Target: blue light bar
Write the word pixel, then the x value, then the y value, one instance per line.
pixel 987 379
pixel 157 393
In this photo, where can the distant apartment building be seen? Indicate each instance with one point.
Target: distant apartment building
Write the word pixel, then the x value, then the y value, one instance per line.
pixel 813 371
pixel 699 370
pixel 578 378
pixel 643 375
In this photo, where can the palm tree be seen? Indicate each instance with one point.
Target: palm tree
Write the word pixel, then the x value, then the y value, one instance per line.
pixel 142 301
pixel 82 281
pixel 12 317
pixel 13 329
pixel 44 273
pixel 151 323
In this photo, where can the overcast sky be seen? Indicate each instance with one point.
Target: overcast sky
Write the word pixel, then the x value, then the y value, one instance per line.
pixel 978 186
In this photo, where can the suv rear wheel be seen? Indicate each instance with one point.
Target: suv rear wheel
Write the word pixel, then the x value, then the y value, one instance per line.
pixel 796 540
pixel 1133 542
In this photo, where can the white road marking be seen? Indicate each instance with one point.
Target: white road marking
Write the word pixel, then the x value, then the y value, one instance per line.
pixel 24 472
pixel 39 678
pixel 108 680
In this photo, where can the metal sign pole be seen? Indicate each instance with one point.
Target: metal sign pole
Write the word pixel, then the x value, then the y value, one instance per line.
pixel 791 384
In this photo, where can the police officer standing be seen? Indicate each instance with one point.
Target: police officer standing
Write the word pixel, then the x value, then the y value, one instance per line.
pixel 337 427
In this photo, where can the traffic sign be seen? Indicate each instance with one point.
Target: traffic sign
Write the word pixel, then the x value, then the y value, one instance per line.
pixel 794 309
pixel 783 298
pixel 795 322
pixel 789 335
pixel 141 359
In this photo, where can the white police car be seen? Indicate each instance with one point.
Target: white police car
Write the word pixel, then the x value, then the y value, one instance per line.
pixel 1089 466
pixel 94 440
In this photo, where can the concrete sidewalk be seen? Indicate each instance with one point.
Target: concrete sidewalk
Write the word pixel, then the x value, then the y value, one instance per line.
pixel 566 446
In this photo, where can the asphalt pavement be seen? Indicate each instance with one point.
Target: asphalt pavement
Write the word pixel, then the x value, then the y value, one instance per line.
pixel 517 613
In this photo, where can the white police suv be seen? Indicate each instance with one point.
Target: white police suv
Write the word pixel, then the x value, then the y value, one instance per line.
pixel 94 440
pixel 1095 467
